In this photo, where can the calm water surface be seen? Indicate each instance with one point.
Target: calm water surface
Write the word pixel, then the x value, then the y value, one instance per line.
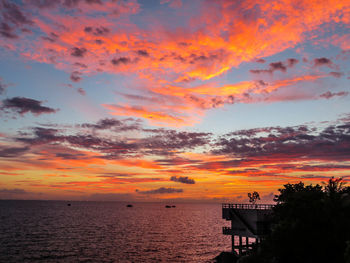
pixel 51 231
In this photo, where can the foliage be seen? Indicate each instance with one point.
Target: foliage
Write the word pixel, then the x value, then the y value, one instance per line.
pixel 253 197
pixel 347 252
pixel 310 224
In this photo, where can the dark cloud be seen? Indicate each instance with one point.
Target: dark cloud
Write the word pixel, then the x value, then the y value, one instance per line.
pixel 52 37
pixel 210 103
pixel 75 76
pixel 81 65
pixel 260 71
pixel 111 148
pixel 291 62
pixel 116 175
pixel 279 65
pixel 3 86
pixel 88 29
pixel 43 3
pixel 78 52
pixel 117 125
pixel 143 53
pixel 176 161
pixel 336 74
pixel 156 142
pixel 187 79
pixel 47 4
pixel 320 167
pixel 169 141
pixel 182 179
pixel 41 136
pixel 162 190
pixel 68 85
pixel 329 95
pixel 7 31
pixel 202 59
pixel 322 62
pixel 12 13
pixel 23 105
pixel 13 151
pixel 26 30
pixel 48 39
pixel 70 156
pixel 97 31
pixel 14 191
pixel 81 91
pixel 260 60
pixel 121 60
pixel 97 143
pixel 313 176
pixel 242 147
pixel 331 143
pixel 12 19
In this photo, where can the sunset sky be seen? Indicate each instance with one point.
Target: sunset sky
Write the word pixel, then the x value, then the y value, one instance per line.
pixel 166 99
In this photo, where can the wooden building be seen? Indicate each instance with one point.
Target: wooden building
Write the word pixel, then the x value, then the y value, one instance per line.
pixel 249 224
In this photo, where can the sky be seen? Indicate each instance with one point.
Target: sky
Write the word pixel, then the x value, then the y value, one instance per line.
pixel 158 100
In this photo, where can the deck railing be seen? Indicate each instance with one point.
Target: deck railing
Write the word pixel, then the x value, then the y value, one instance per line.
pixel 248 206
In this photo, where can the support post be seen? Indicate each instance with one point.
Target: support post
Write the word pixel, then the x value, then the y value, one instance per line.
pixel 240 245
pixel 233 243
pixel 233 239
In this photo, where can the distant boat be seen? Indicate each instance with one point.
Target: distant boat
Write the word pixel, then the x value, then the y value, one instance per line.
pixel 173 206
pixel 167 206
pixel 129 205
pixel 68 204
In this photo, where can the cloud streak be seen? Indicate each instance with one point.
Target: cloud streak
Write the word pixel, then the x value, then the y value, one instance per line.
pixel 162 190
pixel 182 179
pixel 22 105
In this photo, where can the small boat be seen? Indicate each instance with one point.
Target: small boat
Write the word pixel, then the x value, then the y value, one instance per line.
pixel 167 206
pixel 173 206
pixel 68 204
pixel 129 205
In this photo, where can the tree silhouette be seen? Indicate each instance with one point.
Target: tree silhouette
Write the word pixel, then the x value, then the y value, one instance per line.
pixel 334 186
pixel 310 224
pixel 253 197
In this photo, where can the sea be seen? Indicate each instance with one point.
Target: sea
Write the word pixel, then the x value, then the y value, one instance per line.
pixel 54 231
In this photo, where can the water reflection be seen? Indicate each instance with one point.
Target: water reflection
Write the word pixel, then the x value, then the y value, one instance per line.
pixel 110 231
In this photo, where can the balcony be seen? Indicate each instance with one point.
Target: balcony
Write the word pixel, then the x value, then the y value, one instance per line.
pixel 248 206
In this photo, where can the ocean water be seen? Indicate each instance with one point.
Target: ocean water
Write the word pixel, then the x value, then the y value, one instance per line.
pixel 51 231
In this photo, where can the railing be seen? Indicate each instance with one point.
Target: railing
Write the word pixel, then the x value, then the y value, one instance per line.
pixel 248 206
pixel 226 230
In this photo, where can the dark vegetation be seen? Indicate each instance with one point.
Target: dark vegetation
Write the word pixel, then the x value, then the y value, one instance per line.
pixel 311 223
pixel 253 197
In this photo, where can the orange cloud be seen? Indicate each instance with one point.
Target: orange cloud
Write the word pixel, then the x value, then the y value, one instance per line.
pixel 138 163
pixel 229 38
pixel 154 116
pixel 221 37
